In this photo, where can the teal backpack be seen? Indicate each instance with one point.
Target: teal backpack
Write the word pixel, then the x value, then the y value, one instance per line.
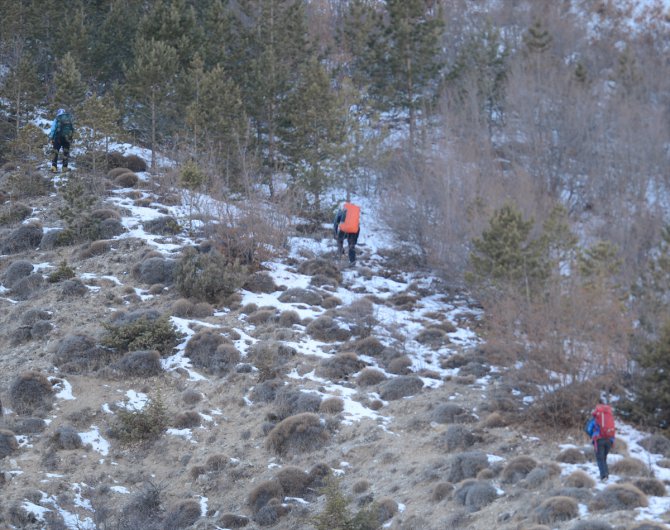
pixel 64 127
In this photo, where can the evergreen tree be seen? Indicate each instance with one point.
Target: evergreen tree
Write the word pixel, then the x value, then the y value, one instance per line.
pixel 70 89
pixel 21 85
pixel 505 256
pixel 407 67
pixel 653 382
pixel 313 130
pixel 152 79
pixel 99 116
pixel 276 41
pixel 537 38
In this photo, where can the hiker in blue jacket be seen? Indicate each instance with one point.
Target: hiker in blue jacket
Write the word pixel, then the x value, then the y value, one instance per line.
pixel 602 444
pixel 60 135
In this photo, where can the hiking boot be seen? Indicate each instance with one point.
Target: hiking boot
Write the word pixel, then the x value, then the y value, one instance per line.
pixel 604 479
pixel 65 169
pixel 54 169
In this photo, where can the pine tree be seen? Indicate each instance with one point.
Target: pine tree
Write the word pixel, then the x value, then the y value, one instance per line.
pixel 653 382
pixel 21 86
pixel 151 79
pixel 537 38
pixel 99 116
pixel 313 130
pixel 70 89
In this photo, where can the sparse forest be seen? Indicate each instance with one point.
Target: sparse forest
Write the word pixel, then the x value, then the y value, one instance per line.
pixel 520 147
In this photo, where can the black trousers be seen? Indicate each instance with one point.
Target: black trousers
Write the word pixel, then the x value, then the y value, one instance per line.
pixel 57 144
pixel 352 239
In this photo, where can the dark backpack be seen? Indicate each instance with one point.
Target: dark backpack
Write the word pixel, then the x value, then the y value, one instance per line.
pixel 64 127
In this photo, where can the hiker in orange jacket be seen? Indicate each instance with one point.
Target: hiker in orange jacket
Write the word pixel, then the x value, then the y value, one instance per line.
pixel 347 225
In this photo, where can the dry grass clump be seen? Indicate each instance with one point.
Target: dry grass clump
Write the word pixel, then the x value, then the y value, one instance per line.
pixel 154 270
pixel 16 271
pixel 25 237
pixel 360 486
pixel 369 346
pixel 494 420
pixel 263 494
pixel 579 479
pixel 648 525
pixel 145 363
pixel 290 401
pixel 231 520
pixel 182 308
pixel 8 443
pixel 629 467
pixel 466 465
pixel 288 318
pixel 260 282
pixel 66 438
pixel 650 486
pixel 321 267
pixel 458 437
pixel 386 508
pixel 165 225
pixel 95 248
pixel 126 180
pixel 556 509
pixel 340 366
pixel 591 525
pixel 475 494
pixel 370 377
pixel 332 405
pixel 79 353
pixel 571 455
pixel 400 387
pixel 401 365
pixel 191 397
pixel 517 469
pixel 187 420
pixel 433 337
pixel 327 329
pixel 297 434
pixel 657 444
pixel 619 497
pixel 210 350
pixel 293 481
pixel 184 515
pixel 14 212
pixel 31 392
pixel 450 413
pixel 262 316
pixel 441 491
pixel 26 287
pixel 297 295
pixel 540 475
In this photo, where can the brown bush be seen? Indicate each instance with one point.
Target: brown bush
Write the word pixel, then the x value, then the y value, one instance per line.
pixel 494 420
pixel 517 469
pixel 291 401
pixel 434 337
pixel 650 486
pixel 331 405
pixel 126 180
pixel 619 497
pixel 629 467
pixel 458 437
pixel 191 397
pixel 293 481
pixel 475 494
pixel 326 329
pixel 657 444
pixel 441 491
pixel 264 493
pixel 340 366
pixel 369 346
pixel 260 282
pixel 466 465
pixel 400 387
pixel 297 434
pixel 146 363
pixel 400 365
pixel 262 316
pixel 555 509
pixel 184 515
pixel 231 520
pixel 579 479
pixel 450 413
pixel 8 443
pixel 360 486
pixel 297 295
pixel 571 455
pixel 187 420
pixel 370 377
pixel 30 392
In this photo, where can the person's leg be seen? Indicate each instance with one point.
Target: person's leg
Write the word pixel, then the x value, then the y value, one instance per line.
pixel 351 241
pixel 602 449
pixel 55 146
pixel 66 154
pixel 607 446
pixel 340 242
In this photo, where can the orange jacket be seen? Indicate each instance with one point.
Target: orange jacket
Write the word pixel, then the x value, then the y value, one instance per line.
pixel 351 223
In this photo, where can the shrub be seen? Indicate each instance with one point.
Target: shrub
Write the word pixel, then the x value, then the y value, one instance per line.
pixel 164 226
pixel 263 494
pixel 400 387
pixel 475 494
pixel 450 413
pixel 262 316
pixel 135 162
pixel 474 368
pixel 265 391
pixel 630 467
pixel 321 267
pixel 66 437
pixel 183 308
pixel 208 276
pixel 78 353
pixel 326 329
pixel 184 515
pixel 539 475
pixel 619 497
pixel 95 248
pixel 27 426
pixel 400 365
pixel 555 509
pixel 8 443
pixel 466 465
pixel 156 270
pixel 289 402
pixel 441 491
pixel 210 350
pixel 297 434
pixel 144 509
pixel 517 469
pixel 293 481
pixel 370 377
pixel 16 271
pixel 369 346
pixel 25 237
pixel 648 525
pixel 650 486
pixel 297 295
pixel 571 455
pixel 360 486
pixel 657 444
pixel 29 392
pixel 579 479
pixel 458 437
pixel 493 420
pixel 26 287
pixel 260 282
pixel 31 316
pixel 126 180
pixel 106 229
pixel 14 212
pixel 187 420
pixel 74 287
pixel 143 363
pixel 332 405
pixel 288 318
pixel 337 516
pixel 434 337
pixel 340 366
pixel 231 520
pixel 141 425
pixel 142 333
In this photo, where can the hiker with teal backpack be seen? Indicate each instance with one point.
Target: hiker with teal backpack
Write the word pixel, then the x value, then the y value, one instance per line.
pixel 600 428
pixel 60 134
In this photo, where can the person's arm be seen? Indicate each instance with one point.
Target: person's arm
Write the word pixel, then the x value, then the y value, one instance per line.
pixel 337 221
pixel 52 131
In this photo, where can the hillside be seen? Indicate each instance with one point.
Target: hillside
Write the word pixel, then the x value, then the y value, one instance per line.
pixel 371 374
